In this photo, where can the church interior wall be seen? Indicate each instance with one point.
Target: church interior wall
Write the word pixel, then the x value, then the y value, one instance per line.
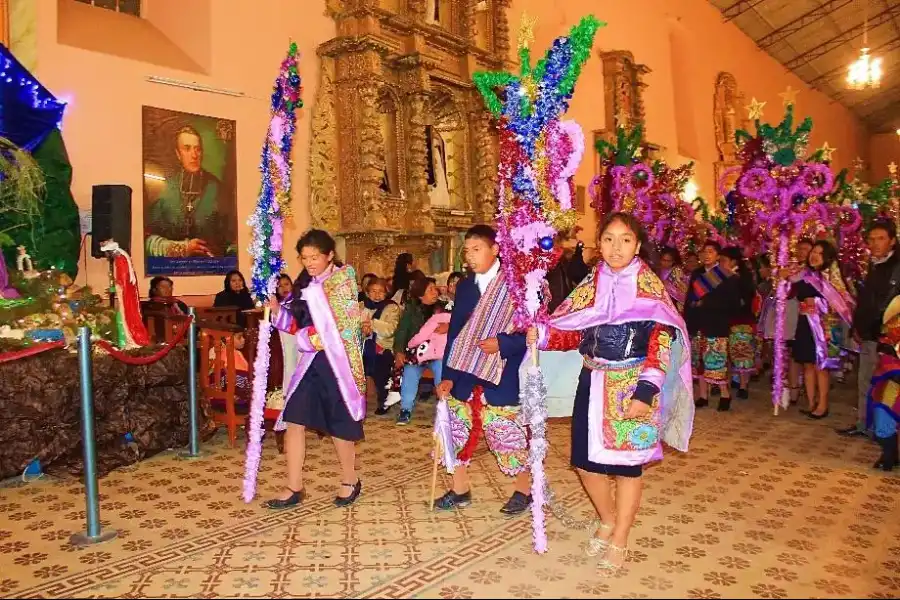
pixel 685 45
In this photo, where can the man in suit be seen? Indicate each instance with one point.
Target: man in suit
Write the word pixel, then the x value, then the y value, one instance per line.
pixel 481 375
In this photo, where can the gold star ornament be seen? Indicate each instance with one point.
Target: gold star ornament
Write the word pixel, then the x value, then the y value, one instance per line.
pixel 788 96
pixel 755 109
pixel 892 169
pixel 622 118
pixel 827 151
pixel 526 30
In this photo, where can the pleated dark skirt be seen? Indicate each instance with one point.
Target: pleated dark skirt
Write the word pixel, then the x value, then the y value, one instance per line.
pixel 580 435
pixel 803 350
pixel 318 405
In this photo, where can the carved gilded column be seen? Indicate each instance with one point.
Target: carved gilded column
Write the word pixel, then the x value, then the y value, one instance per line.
pixel 485 142
pixel 468 20
pixel 417 9
pixel 371 156
pixel 623 88
pixel 324 201
pixel 501 30
pixel 417 163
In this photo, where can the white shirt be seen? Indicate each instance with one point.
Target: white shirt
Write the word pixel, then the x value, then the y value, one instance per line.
pixel 483 280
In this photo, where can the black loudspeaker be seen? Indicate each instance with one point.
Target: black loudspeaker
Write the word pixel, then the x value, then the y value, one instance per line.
pixel 111 217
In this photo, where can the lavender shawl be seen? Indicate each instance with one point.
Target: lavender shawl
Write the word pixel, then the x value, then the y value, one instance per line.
pixel 333 304
pixel 637 294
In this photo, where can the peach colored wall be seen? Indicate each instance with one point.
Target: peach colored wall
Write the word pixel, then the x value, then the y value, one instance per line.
pixel 102 126
pixel 247 39
pixel 884 149
pixel 686 44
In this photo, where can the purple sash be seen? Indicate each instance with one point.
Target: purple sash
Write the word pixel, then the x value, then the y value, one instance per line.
pixel 831 300
pixel 333 305
pixel 676 284
pixel 636 294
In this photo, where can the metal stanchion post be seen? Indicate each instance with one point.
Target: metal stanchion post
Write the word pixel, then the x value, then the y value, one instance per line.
pixel 93 534
pixel 193 450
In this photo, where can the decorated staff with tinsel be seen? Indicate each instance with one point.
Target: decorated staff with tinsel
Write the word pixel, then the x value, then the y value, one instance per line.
pixel 650 190
pixel 539 154
pixel 267 223
pixel 779 191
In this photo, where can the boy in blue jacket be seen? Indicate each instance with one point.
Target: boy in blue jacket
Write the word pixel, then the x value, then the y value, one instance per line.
pixel 481 375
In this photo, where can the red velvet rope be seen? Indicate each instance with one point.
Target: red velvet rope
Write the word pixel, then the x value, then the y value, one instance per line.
pixel 30 351
pixel 144 360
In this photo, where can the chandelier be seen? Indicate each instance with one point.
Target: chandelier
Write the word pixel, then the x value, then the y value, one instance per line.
pixel 865 72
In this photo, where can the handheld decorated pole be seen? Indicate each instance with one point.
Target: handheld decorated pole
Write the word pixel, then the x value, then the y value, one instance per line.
pixel 539 154
pixel 782 194
pixel 267 221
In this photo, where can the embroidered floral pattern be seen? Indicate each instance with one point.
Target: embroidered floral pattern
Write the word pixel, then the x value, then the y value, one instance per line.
pixel 620 433
pixel 581 297
pixel 710 358
pixel 659 348
pixel 649 285
pixel 505 437
pixel 343 298
pixel 742 348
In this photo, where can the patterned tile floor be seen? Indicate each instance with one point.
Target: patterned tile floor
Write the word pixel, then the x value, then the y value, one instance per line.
pixel 762 507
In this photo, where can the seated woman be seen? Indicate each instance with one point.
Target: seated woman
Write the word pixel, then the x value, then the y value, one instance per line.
pixel 380 318
pixel 243 388
pixel 818 341
pixel 635 388
pixel 327 390
pixel 162 292
pixel 421 306
pixel 235 295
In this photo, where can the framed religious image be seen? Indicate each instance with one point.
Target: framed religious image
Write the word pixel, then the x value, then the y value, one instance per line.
pixel 190 201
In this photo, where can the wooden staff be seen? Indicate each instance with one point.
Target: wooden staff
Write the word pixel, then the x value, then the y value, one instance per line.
pixel 434 469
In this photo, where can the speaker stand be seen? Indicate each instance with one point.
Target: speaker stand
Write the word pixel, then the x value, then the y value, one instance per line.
pixel 112 283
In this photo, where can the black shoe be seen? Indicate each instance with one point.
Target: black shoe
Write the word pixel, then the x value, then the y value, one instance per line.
pixel 816 417
pixel 452 500
pixel 701 403
pixel 724 404
pixel 381 411
pixel 294 500
pixel 852 431
pixel 805 411
pixel 743 394
pixel 890 453
pixel 517 504
pixel 342 502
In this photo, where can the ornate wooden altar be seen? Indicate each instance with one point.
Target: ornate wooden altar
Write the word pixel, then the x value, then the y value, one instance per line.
pixel 728 105
pixel 403 152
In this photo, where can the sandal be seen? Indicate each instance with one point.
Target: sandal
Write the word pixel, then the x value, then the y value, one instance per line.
pixel 596 545
pixel 608 568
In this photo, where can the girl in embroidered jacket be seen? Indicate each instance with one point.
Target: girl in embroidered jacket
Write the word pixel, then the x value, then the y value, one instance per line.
pixel 818 340
pixel 634 390
pixel 327 390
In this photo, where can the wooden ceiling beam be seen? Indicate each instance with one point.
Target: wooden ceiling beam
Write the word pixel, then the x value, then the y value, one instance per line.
pixel 788 29
pixel 827 46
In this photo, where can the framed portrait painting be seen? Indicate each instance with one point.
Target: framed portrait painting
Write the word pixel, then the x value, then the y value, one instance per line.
pixel 190 201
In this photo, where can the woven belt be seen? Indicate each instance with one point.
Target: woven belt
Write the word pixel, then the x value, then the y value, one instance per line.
pixel 601 364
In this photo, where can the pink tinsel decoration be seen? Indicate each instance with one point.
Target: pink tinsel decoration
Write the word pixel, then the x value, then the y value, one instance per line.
pixel 780 299
pixel 257 408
